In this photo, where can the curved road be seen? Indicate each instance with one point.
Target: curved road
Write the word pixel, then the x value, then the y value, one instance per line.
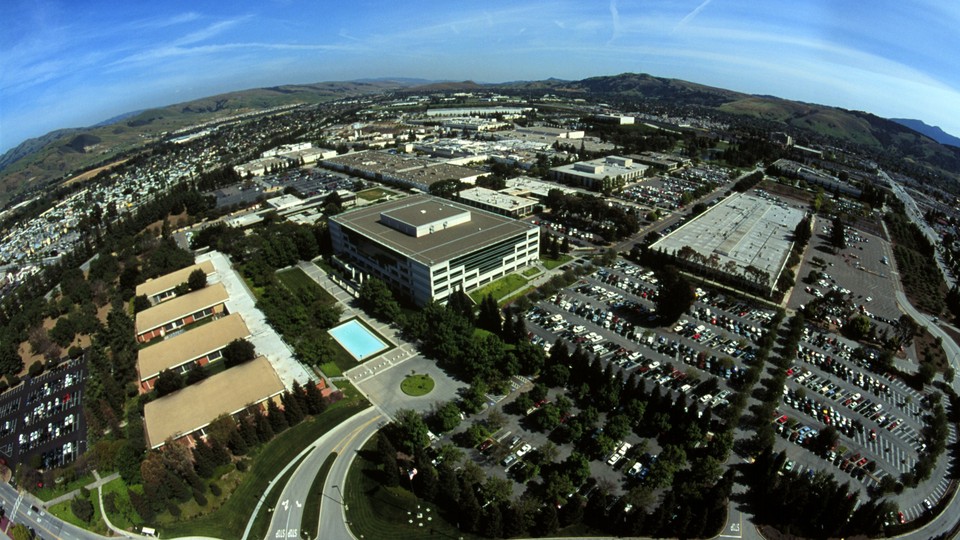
pixel 344 440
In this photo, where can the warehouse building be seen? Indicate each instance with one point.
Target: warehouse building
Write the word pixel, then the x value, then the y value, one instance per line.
pixel 425 247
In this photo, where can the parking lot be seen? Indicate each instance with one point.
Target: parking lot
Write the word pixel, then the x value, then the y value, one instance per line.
pixel 43 417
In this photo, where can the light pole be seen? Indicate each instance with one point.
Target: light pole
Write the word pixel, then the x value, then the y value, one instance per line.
pixel 342 502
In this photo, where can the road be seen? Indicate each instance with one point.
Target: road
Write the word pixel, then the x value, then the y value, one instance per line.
pixel 344 440
pixel 19 507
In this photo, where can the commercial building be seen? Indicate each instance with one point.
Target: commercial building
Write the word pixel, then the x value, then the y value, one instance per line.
pixel 411 172
pixel 525 186
pixel 162 288
pixel 497 202
pixel 426 247
pixel 744 238
pixel 188 411
pixel 611 172
pixel 198 346
pixel 181 311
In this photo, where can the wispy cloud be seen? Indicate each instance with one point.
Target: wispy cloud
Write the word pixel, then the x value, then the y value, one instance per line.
pixel 615 20
pixel 692 15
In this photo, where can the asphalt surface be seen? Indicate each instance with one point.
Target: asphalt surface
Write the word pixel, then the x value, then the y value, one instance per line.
pixel 20 509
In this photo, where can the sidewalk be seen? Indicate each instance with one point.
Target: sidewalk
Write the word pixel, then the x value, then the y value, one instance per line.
pixel 91 486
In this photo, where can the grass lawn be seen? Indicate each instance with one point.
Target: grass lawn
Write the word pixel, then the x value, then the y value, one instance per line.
pixel 50 492
pixel 229 520
pixel 372 194
pixel 379 512
pixel 96 523
pixel 300 284
pixel 122 515
pixel 331 369
pixel 530 272
pixel 550 264
pixel 499 288
pixel 417 385
pixel 311 507
pixel 515 297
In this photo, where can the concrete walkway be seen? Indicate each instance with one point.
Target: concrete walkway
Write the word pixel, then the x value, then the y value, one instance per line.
pixel 98 481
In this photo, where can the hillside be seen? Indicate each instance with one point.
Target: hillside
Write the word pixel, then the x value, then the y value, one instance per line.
pixel 934 132
pixel 59 154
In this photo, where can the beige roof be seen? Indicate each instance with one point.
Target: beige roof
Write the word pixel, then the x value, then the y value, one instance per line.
pixel 195 406
pixel 192 344
pixel 181 306
pixel 166 282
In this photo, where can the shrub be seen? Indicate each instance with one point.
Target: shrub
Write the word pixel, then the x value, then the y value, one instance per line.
pixel 199 497
pixel 36 369
pixel 242 466
pixel 215 489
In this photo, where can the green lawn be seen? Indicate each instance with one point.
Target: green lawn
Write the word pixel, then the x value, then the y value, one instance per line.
pixel 96 524
pixel 50 492
pixel 530 272
pixel 124 516
pixel 550 264
pixel 229 520
pixel 379 512
pixel 300 284
pixel 417 385
pixel 514 297
pixel 499 288
pixel 311 507
pixel 372 194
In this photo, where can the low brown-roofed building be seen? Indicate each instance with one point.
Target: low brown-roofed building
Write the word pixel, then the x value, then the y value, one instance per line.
pixel 180 353
pixel 181 311
pixel 193 408
pixel 161 288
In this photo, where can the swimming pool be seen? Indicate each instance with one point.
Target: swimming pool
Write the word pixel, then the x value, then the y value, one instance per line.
pixel 357 340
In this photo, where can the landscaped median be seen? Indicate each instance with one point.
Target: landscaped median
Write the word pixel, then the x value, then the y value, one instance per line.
pixel 499 288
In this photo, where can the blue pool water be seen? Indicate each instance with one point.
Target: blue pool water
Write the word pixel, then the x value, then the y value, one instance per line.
pixel 357 340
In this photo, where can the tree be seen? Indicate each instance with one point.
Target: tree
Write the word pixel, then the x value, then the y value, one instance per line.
pixel 447 417
pixel 168 382
pixel 196 374
pixel 488 317
pixel 387 455
pixel 837 238
pixel 197 280
pixel 675 296
pixel 376 298
pixel 411 431
pixel 237 352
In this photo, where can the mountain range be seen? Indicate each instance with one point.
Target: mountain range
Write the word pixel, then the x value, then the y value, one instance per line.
pixel 921 149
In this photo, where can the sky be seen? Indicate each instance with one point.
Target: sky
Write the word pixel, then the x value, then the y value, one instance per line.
pixel 76 63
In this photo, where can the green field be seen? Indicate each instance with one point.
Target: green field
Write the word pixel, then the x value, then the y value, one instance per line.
pixel 96 524
pixel 530 272
pixel 229 520
pixel 300 284
pixel 550 264
pixel 499 288
pixel 417 385
pixel 373 194
pixel 379 512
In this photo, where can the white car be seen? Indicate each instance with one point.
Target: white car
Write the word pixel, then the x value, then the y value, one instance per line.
pixel 524 450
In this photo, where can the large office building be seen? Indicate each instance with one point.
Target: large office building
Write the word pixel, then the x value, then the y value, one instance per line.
pixel 425 247
pixel 611 172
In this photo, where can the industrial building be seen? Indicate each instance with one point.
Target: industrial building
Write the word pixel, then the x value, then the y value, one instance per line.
pixel 611 172
pixel 425 247
pixel 497 202
pixel 411 172
pixel 744 238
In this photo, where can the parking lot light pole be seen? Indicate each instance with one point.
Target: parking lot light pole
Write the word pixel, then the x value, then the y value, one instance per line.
pixel 343 503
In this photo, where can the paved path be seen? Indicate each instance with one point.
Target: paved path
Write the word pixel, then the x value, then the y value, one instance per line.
pixel 98 481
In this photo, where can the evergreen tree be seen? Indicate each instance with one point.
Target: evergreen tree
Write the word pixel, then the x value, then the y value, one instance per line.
pixel 248 430
pixel 265 430
pixel 202 460
pixel 547 520
pixel 167 382
pixel 237 443
pixel 291 408
pixel 492 522
pixel 469 508
pixel 489 317
pixel 278 421
pixel 387 454
pixel 315 402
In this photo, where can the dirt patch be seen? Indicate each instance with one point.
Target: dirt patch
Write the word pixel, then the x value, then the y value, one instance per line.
pixel 91 173
pixel 789 192
pixel 175 221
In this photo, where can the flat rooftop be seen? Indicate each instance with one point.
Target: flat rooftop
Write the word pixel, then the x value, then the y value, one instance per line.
pixel 495 199
pixel 191 344
pixel 744 229
pixel 166 282
pixel 181 306
pixel 197 405
pixel 483 228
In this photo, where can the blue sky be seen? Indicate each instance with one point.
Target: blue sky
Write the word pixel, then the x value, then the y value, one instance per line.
pixel 78 62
